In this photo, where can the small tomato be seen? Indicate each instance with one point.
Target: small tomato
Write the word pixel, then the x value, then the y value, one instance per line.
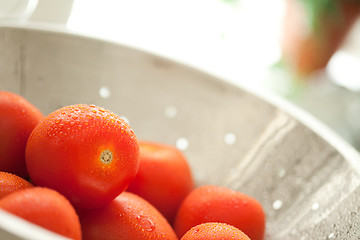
pixel 214 231
pixel 220 204
pixel 44 207
pixel 127 217
pixel 11 183
pixel 18 117
pixel 85 152
pixel 164 177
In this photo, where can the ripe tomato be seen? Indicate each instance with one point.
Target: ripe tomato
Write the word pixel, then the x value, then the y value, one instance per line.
pixel 164 177
pixel 87 153
pixel 219 204
pixel 214 231
pixel 18 117
pixel 10 183
pixel 46 208
pixel 127 217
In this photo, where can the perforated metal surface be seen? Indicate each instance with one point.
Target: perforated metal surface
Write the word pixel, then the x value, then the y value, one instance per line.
pixel 306 178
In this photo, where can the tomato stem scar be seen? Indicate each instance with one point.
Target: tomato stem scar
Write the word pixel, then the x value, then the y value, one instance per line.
pixel 106 156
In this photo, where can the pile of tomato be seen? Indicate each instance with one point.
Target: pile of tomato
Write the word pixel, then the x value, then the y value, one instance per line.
pixel 82 172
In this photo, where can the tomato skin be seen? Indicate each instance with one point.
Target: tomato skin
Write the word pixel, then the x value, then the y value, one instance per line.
pixel 18 117
pixel 46 208
pixel 164 177
pixel 127 217
pixel 219 204
pixel 68 151
pixel 214 231
pixel 11 183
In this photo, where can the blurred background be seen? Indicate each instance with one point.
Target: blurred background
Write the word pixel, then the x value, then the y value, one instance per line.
pixel 306 51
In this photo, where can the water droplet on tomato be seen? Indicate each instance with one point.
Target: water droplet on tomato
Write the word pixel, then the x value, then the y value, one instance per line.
pixel 57 121
pixel 146 223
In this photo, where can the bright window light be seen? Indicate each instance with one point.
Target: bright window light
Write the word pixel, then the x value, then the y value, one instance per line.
pixel 236 41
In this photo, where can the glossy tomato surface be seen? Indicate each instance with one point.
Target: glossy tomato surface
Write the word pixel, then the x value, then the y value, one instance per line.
pixel 127 217
pixel 164 177
pixel 87 153
pixel 211 203
pixel 214 231
pixel 46 208
pixel 11 183
pixel 18 117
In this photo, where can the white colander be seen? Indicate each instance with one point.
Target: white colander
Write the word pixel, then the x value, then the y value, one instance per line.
pixel 306 178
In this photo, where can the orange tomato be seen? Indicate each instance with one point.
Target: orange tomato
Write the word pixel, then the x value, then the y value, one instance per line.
pixel 214 231
pixel 164 177
pixel 11 183
pixel 18 118
pixel 219 204
pixel 87 153
pixel 46 208
pixel 127 217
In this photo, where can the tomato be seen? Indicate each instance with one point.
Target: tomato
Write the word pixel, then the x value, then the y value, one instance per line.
pixel 127 217
pixel 46 208
pixel 307 48
pixel 214 231
pixel 10 183
pixel 220 204
pixel 18 117
pixel 164 177
pixel 87 153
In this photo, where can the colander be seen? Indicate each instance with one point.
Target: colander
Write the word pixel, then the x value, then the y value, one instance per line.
pixel 304 175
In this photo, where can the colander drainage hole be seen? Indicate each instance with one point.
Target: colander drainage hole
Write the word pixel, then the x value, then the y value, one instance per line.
pixel 182 143
pixel 277 204
pixel 315 206
pixel 230 138
pixel 170 111
pixel 104 92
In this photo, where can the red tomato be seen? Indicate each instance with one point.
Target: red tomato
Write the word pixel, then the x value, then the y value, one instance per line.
pixel 164 177
pixel 214 231
pixel 46 208
pixel 18 118
pixel 87 153
pixel 127 217
pixel 219 204
pixel 10 183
